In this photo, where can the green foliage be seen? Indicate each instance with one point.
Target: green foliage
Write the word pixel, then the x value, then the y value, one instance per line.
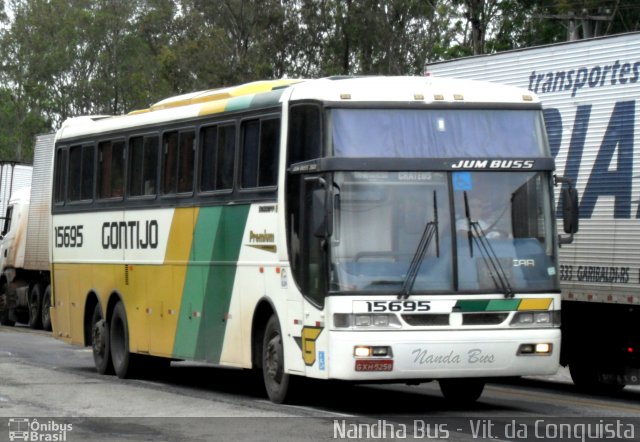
pixel 65 58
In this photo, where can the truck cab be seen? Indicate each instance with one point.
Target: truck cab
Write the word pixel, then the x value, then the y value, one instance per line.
pixel 14 302
pixel 14 230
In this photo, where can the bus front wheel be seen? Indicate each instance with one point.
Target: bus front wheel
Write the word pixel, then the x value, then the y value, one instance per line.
pixel 461 391
pixel 276 381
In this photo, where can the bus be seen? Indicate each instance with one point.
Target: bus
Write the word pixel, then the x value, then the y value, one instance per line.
pixel 365 229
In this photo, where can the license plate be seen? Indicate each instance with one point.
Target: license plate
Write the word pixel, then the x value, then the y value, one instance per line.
pixel 374 365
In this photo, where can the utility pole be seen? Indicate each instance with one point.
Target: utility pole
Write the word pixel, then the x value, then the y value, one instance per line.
pixel 590 24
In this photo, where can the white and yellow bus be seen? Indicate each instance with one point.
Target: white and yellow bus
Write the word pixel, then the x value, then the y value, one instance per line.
pixel 361 229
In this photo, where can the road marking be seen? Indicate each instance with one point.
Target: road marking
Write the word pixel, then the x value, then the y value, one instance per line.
pixel 556 398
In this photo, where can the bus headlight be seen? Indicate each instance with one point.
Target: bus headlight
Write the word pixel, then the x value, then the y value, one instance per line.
pixel 536 319
pixel 366 320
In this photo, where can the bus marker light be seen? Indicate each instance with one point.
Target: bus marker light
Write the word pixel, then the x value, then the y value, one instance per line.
pixel 458 97
pixel 374 364
pixel 438 97
pixel 418 97
pixel 345 96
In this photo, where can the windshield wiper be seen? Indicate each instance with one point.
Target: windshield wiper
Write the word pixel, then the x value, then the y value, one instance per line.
pixel 430 230
pixel 491 260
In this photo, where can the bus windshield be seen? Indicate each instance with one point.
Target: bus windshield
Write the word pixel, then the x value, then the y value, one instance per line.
pixel 480 232
pixel 437 133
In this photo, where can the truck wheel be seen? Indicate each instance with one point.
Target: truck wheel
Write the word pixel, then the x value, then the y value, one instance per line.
pixel 276 381
pixel 461 391
pixel 586 378
pixel 35 307
pixel 4 319
pixel 124 363
pixel 100 342
pixel 46 305
pixel 4 314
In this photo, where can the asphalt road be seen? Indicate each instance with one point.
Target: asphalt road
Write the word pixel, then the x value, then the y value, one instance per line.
pixel 55 385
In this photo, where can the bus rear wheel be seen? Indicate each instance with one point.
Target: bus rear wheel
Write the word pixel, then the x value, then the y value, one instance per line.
pixel 100 342
pixel 276 381
pixel 46 305
pixel 461 391
pixel 122 359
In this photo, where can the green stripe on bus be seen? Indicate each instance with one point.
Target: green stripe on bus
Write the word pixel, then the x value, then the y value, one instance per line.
pixel 503 305
pixel 238 103
pixel 471 306
pixel 487 305
pixel 209 282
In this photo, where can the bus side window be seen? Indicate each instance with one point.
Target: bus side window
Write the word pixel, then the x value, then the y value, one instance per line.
pixel 111 169
pixel 218 152
pixel 143 165
pixel 81 173
pixel 186 161
pixel 304 133
pixel 60 176
pixel 260 153
pixel 169 163
pixel 178 162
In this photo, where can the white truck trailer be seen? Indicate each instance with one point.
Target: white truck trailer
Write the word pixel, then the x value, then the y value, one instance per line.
pixel 590 91
pixel 25 292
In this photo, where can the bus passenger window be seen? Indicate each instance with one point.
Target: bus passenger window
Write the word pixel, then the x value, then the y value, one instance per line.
pixel 169 164
pixel 185 159
pixel 178 162
pixel 60 176
pixel 218 148
pixel 269 149
pixel 260 153
pixel 111 169
pixel 143 160
pixel 81 165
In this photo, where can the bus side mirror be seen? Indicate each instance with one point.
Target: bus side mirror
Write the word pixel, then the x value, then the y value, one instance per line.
pixel 321 209
pixel 570 210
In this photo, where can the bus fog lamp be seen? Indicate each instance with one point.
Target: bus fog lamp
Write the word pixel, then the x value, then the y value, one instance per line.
pixel 365 351
pixel 543 348
pixel 535 349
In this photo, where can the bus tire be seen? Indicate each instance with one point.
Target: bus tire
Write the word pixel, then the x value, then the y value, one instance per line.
pixel 35 306
pixel 100 342
pixel 46 306
pixel 122 359
pixel 461 391
pixel 276 381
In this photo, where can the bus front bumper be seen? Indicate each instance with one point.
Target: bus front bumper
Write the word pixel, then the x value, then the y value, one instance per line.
pixel 443 354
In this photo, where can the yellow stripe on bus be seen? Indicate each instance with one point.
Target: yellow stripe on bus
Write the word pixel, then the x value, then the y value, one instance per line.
pixel 535 304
